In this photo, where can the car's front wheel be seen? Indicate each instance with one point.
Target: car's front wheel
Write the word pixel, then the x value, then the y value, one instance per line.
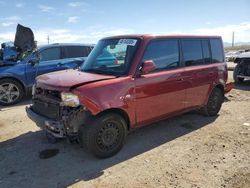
pixel 11 92
pixel 105 135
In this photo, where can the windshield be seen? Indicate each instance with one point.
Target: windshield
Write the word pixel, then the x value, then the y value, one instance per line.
pixel 111 56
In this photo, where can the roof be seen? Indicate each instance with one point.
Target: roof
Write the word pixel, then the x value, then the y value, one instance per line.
pixel 151 36
pixel 65 44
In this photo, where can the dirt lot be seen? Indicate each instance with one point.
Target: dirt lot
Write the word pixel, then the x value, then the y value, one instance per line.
pixel 187 151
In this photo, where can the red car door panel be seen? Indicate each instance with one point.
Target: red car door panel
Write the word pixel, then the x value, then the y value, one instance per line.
pixel 200 80
pixel 159 94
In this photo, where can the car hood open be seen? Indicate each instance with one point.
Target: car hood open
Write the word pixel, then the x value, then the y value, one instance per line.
pixel 24 38
pixel 67 79
pixel 11 52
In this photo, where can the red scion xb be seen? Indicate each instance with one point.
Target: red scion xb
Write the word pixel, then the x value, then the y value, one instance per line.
pixel 127 82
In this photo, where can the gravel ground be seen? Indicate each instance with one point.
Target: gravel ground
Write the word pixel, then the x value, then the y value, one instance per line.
pixel 186 151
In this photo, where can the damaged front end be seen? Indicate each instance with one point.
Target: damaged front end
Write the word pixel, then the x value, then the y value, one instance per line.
pixel 52 114
pixel 24 43
pixel 242 69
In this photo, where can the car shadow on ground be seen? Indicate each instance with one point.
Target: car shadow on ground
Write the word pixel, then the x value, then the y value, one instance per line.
pixel 21 166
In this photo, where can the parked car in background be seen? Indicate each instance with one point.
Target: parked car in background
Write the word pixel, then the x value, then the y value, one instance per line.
pixel 156 77
pixel 242 69
pixel 21 62
pixel 230 56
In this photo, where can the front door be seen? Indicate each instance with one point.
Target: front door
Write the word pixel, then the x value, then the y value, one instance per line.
pixel 49 61
pixel 161 92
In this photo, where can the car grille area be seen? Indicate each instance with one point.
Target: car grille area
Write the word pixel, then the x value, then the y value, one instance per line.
pixel 48 110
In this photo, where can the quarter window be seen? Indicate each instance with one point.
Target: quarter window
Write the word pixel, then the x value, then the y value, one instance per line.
pixel 50 54
pixel 164 53
pixel 217 50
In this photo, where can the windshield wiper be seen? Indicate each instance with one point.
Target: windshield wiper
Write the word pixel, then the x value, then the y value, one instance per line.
pixel 100 71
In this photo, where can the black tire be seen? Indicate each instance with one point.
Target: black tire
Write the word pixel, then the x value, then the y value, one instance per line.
pixel 104 136
pixel 214 103
pixel 10 96
pixel 236 73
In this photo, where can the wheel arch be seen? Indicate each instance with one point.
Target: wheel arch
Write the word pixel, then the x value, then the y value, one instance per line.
pixel 15 79
pixel 118 111
pixel 221 87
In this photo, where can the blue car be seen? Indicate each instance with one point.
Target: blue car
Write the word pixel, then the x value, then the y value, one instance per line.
pixel 22 62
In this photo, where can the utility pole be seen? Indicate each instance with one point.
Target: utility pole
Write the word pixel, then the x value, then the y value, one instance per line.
pixel 233 39
pixel 48 39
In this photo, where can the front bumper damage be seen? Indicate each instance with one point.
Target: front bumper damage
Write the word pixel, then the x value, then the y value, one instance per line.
pixel 56 128
pixel 51 115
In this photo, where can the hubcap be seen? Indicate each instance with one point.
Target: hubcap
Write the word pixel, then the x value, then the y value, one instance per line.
pixel 108 136
pixel 8 93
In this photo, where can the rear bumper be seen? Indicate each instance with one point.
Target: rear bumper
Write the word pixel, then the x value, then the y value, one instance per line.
pixel 56 128
pixel 228 87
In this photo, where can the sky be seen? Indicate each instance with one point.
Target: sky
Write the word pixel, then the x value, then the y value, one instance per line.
pixel 88 21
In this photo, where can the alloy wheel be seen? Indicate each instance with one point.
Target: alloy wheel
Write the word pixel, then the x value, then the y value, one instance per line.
pixel 9 93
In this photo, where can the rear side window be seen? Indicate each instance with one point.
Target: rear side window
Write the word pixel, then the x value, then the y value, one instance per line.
pixel 76 51
pixel 50 54
pixel 164 53
pixel 217 50
pixel 192 52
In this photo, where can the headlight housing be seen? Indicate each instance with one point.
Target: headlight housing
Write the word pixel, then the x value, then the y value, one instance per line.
pixel 70 99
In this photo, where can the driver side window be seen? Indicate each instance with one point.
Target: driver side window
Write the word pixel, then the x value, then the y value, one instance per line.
pixel 50 54
pixel 164 53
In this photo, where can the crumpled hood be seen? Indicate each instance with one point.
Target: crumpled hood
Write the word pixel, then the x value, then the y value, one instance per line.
pixel 24 38
pixel 67 79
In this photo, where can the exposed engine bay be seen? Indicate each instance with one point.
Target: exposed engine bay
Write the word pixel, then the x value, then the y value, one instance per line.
pixel 242 69
pixel 61 121
pixel 23 44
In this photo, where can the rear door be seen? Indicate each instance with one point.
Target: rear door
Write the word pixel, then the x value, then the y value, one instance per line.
pixel 199 70
pixel 161 92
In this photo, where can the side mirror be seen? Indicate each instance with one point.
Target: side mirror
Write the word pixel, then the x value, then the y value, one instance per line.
pixel 148 66
pixel 34 61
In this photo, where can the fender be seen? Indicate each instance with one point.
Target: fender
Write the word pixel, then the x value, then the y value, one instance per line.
pixel 11 76
pixel 108 94
pixel 219 81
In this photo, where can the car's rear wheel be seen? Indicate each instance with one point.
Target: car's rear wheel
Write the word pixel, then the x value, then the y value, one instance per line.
pixel 11 92
pixel 214 103
pixel 105 135
pixel 237 72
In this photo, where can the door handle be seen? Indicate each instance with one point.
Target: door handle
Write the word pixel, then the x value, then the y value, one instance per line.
pixel 180 79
